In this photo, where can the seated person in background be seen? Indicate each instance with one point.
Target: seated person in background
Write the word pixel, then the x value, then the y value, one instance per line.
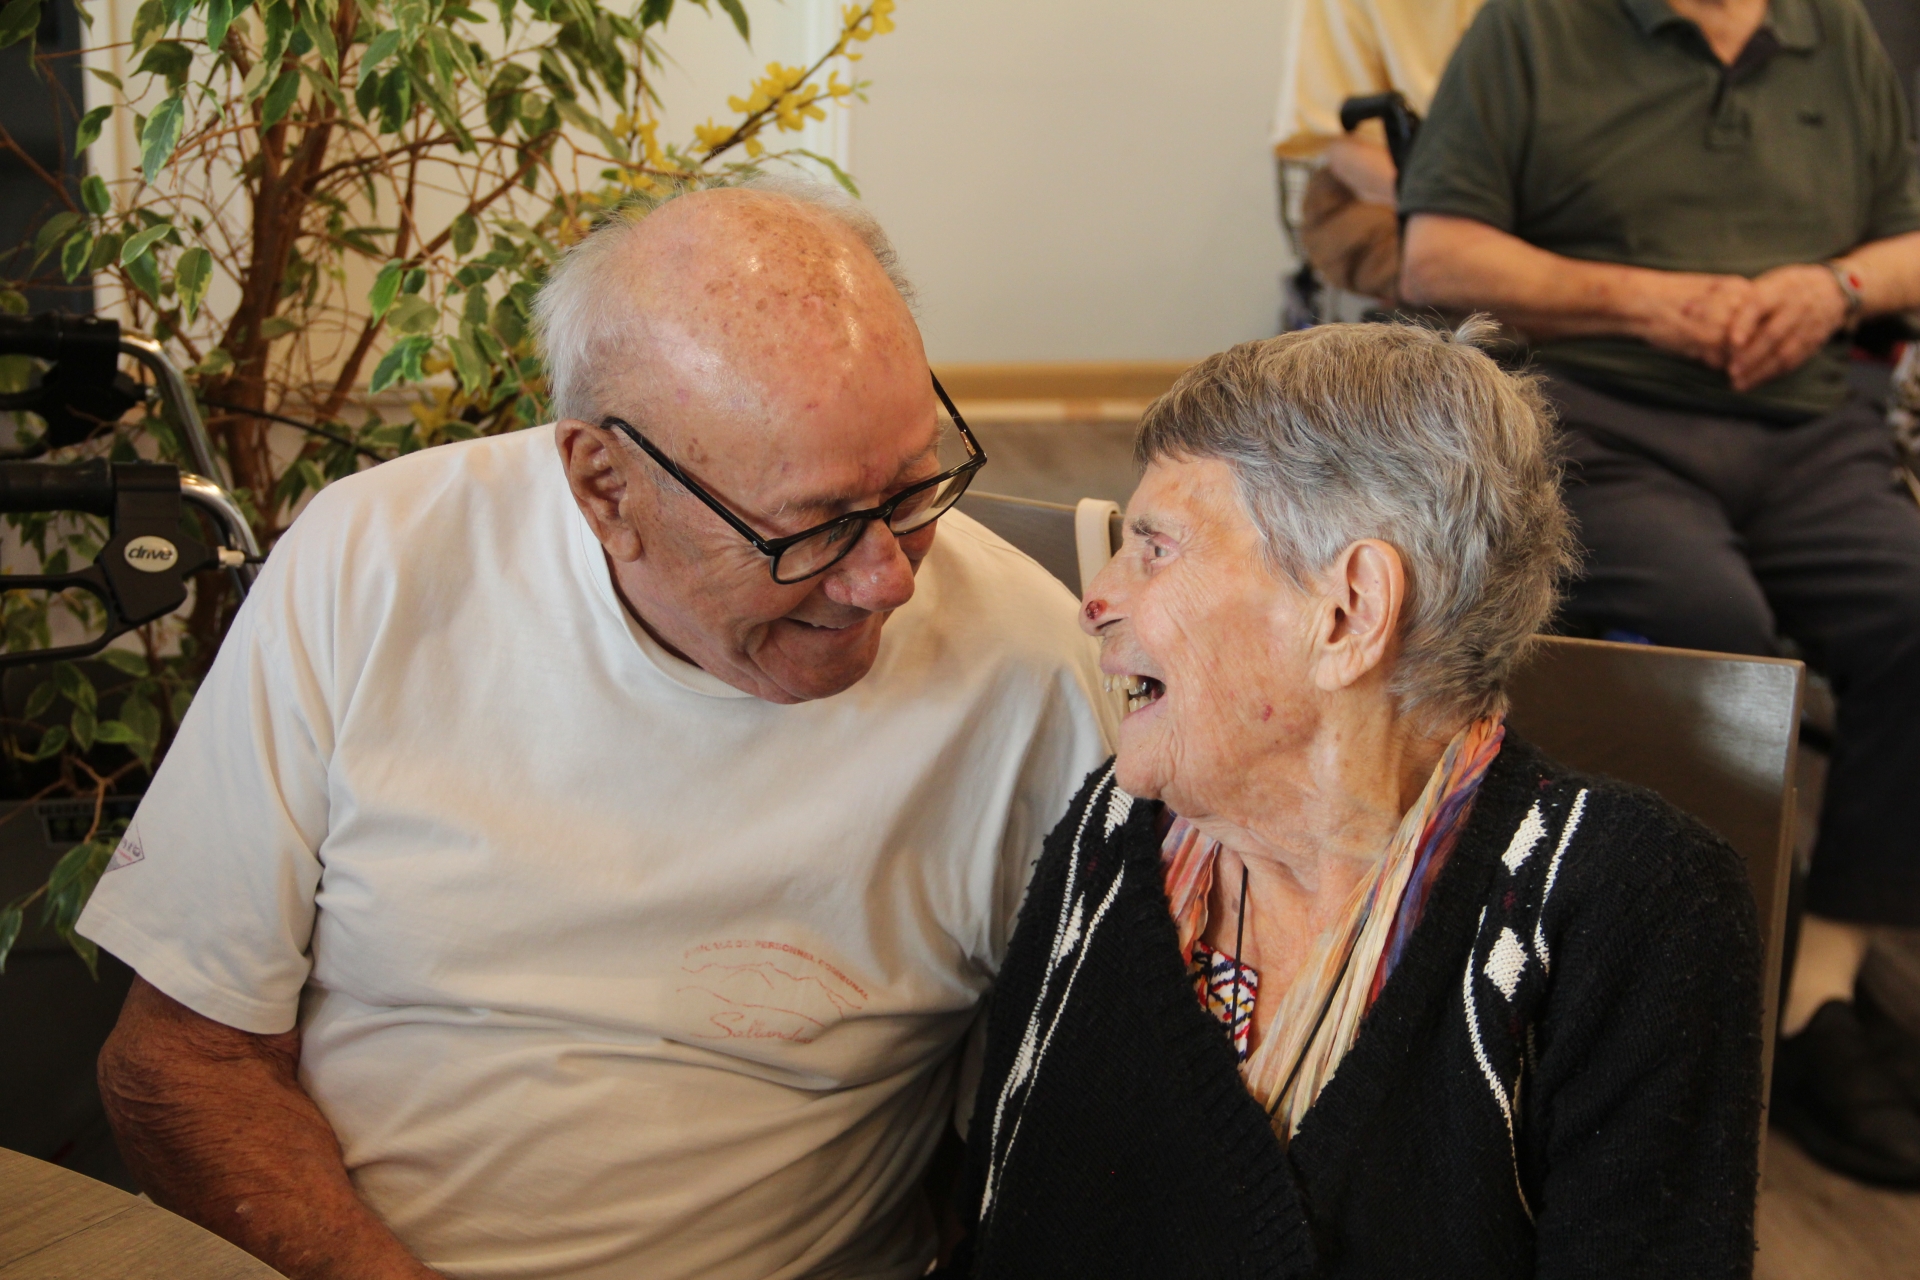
pixel 547 882
pixel 1328 974
pixel 1344 49
pixel 1685 204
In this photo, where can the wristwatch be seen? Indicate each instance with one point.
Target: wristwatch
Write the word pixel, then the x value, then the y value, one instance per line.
pixel 1852 287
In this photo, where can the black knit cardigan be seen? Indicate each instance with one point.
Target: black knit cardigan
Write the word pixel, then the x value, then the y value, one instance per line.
pixel 1560 1078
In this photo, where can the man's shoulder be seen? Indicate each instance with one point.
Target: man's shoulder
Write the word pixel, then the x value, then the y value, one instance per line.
pixel 981 590
pixel 416 501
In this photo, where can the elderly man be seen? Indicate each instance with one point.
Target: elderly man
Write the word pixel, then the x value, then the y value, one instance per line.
pixel 1685 204
pixel 588 866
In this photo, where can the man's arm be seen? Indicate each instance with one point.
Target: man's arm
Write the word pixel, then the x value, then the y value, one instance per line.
pixel 215 1126
pixel 1459 264
pixel 1796 308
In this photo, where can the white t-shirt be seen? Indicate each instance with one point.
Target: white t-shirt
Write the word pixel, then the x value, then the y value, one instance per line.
pixel 602 967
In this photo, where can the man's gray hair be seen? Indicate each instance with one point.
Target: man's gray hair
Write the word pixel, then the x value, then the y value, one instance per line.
pixel 1409 435
pixel 581 304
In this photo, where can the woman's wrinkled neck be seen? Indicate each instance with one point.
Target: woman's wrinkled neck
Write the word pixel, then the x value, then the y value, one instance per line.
pixel 1337 797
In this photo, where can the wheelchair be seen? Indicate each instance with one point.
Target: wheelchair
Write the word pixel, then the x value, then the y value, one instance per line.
pixel 141 573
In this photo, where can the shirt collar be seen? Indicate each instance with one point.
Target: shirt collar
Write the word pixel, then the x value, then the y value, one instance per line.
pixel 1793 21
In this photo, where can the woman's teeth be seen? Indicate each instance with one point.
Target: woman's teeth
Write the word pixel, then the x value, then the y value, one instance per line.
pixel 1140 690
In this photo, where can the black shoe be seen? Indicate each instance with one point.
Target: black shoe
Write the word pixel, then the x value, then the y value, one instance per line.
pixel 1891 1042
pixel 1835 1097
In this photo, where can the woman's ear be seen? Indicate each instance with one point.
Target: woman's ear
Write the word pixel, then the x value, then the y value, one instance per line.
pixel 599 485
pixel 1363 594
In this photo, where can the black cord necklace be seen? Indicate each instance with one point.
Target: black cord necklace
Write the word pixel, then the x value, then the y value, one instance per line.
pixel 1239 937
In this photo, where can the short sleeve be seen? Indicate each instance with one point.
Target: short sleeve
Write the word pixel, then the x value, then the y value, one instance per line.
pixel 1334 58
pixel 211 895
pixel 1466 161
pixel 1894 202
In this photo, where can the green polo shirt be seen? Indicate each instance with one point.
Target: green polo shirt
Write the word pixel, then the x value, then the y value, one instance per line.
pixel 1607 130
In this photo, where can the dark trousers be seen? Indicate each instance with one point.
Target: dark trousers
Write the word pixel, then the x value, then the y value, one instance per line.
pixel 1711 532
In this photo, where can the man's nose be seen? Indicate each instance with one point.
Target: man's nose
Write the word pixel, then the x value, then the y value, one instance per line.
pixel 876 575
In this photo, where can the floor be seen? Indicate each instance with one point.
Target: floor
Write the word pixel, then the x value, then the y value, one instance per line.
pixel 1813 1225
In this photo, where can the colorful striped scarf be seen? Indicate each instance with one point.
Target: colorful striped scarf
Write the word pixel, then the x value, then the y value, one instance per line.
pixel 1320 1013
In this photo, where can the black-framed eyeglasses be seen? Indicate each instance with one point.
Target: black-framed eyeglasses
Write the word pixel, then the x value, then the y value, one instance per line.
pixel 811 552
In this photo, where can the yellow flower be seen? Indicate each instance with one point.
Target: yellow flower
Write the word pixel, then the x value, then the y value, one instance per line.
pixel 882 16
pixel 651 144
pixel 834 88
pixel 754 149
pixel 712 135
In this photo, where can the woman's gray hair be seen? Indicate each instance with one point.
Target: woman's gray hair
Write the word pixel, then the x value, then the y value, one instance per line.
pixel 581 303
pixel 1410 435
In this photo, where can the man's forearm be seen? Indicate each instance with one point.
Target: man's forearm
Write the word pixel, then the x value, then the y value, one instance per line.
pixel 214 1124
pixel 1889 272
pixel 1458 264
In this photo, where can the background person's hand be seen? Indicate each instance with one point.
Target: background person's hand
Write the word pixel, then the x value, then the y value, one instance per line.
pixel 1793 310
pixel 1689 313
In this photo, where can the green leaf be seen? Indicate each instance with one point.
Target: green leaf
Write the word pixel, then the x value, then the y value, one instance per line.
pixel 396 100
pixel 107 78
pixel 52 231
pixel 218 361
pixel 52 743
pixel 386 287
pixel 579 118
pixel 319 30
pixel 13 302
pixel 106 251
pixel 11 918
pixel 219 18
pixel 144 275
pixel 87 132
pixel 75 255
pixel 161 135
pixel 826 162
pixel 280 98
pixel 140 715
pixel 82 727
pixel 190 277
pixel 40 699
pixel 654 13
pixel 140 241
pixel 473 372
pixel 411 16
pixel 465 233
pixel 379 49
pixel 20 19
pixel 170 59
pixel 149 21
pixel 115 731
pixel 278 327
pixel 122 660
pixel 93 195
pixel 73 683
pixel 414 281
pixel 401 364
pixel 413 314
pixel 739 15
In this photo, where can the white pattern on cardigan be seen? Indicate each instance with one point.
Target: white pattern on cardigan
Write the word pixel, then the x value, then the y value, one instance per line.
pixel 1067 937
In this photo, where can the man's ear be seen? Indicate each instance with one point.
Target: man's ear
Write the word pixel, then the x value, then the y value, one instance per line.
pixel 1363 593
pixel 599 485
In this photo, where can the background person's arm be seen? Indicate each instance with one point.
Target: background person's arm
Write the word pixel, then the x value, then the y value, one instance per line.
pixel 1796 308
pixel 1459 264
pixel 214 1124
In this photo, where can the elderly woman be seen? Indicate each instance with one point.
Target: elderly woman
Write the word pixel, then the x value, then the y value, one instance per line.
pixel 1328 973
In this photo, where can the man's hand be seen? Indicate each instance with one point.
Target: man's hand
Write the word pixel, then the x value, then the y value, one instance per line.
pixel 1689 314
pixel 1792 312
pixel 214 1124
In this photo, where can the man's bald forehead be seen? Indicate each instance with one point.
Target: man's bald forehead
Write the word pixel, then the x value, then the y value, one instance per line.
pixel 767 251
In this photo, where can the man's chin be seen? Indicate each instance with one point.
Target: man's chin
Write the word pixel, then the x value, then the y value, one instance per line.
pixel 817 662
